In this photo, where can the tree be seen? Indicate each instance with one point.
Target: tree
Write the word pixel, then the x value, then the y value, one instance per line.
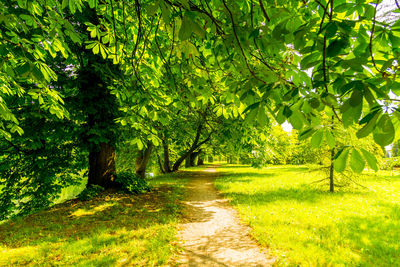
pixel 161 63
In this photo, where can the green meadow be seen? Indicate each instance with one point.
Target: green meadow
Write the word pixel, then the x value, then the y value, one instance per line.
pixel 303 224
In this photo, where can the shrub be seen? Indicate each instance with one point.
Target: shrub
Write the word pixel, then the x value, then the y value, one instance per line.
pixel 389 163
pixel 90 192
pixel 132 183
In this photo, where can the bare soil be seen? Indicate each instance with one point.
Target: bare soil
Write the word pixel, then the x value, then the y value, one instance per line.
pixel 211 233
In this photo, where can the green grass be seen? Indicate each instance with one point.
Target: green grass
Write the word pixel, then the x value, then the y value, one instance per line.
pixel 305 225
pixel 113 229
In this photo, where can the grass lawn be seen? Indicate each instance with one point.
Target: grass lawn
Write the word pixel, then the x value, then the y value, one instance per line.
pixel 113 229
pixel 305 225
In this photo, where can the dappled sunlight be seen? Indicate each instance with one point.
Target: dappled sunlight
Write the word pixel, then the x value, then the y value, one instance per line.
pixel 112 229
pixel 211 234
pixel 84 212
pixel 20 255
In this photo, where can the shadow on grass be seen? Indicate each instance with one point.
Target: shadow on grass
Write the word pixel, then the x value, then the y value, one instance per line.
pixel 234 176
pixel 291 168
pixel 114 227
pixel 304 193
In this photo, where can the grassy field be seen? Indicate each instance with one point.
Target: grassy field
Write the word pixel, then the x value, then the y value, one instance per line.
pixel 113 229
pixel 305 225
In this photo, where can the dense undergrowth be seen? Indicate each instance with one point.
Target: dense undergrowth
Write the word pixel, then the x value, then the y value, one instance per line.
pixel 303 224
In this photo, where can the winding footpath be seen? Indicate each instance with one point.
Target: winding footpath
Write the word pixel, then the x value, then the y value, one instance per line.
pixel 211 233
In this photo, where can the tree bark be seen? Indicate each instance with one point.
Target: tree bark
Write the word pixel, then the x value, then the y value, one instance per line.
pixel 331 172
pixel 167 166
pixel 188 161
pixel 100 108
pixel 143 159
pixel 193 157
pixel 193 147
pixel 160 164
pixel 102 166
pixel 200 161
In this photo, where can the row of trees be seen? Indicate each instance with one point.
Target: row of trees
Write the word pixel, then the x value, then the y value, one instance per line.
pixel 83 79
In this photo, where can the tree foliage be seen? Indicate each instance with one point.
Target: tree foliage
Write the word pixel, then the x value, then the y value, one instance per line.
pixel 175 74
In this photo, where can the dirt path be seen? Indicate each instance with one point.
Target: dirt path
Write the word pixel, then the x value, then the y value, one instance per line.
pixel 212 234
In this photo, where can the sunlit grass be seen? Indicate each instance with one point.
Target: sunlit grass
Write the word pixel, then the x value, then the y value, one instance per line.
pixel 303 224
pixel 113 229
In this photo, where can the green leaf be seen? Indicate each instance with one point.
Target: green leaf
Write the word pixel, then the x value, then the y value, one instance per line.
pixel 384 131
pixel 296 120
pixel 155 140
pixel 28 20
pixel 165 12
pixel 251 107
pixel 23 69
pixel 306 133
pixel 330 140
pixel 310 60
pixel 153 8
pixel 103 51
pixel 72 7
pixel 74 36
pixel 139 144
pixel 336 46
pixel 370 121
pixel 5 134
pixel 356 98
pixel 371 159
pixel 316 140
pixel 185 4
pixel 186 30
pixel 340 162
pixel 357 163
pixel 96 49
pixel 92 3
pixel 280 118
pixel 331 29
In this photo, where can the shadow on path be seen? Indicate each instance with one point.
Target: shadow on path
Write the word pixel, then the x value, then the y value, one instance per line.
pixel 211 233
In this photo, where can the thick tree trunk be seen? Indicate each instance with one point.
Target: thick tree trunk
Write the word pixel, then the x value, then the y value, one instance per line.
pixel 143 159
pixel 102 166
pixel 331 181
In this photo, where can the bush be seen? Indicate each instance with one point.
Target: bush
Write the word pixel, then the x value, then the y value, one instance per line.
pixel 90 192
pixel 132 183
pixel 389 163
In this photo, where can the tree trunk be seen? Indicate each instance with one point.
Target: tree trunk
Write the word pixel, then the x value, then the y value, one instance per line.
pixel 200 161
pixel 196 144
pixel 160 165
pixel 193 157
pixel 331 172
pixel 100 109
pixel 102 166
pixel 188 161
pixel 167 166
pixel 143 159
